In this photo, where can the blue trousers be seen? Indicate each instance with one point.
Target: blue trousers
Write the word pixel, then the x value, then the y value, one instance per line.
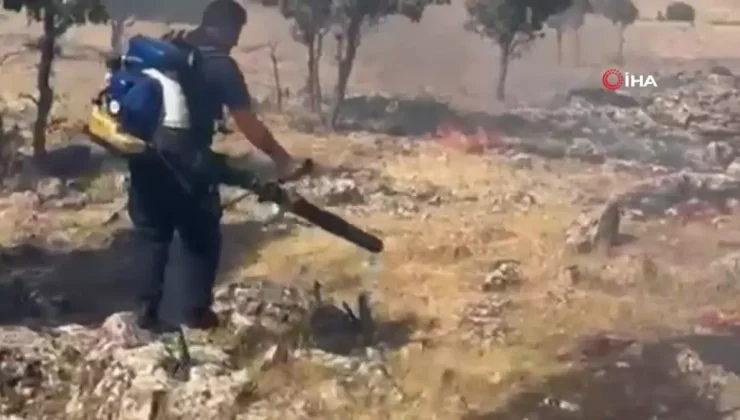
pixel 158 206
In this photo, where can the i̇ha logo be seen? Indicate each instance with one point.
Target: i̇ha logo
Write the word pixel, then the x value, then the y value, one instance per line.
pixel 613 79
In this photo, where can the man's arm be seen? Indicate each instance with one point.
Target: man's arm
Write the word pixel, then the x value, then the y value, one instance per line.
pixel 260 136
pixel 235 96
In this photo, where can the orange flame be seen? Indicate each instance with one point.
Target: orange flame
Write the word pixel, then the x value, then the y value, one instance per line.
pixel 450 135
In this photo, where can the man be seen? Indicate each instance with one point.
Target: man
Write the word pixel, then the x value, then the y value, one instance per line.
pixel 177 193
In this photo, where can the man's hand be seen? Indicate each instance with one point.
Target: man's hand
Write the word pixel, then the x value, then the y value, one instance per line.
pixel 257 133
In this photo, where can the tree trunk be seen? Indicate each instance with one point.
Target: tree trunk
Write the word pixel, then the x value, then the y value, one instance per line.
pixel 310 40
pixel 559 41
pixel 620 47
pixel 317 73
pixel 276 77
pixel 340 49
pixel 577 44
pixel 350 42
pixel 5 162
pixel 503 70
pixel 117 29
pixel 45 92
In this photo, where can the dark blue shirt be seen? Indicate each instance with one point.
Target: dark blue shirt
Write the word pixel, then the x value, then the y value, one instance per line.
pixel 224 84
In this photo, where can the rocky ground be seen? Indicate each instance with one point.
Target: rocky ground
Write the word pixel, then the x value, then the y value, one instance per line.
pixel 572 262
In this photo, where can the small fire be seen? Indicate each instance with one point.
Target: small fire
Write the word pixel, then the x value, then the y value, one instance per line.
pixel 450 135
pixel 719 320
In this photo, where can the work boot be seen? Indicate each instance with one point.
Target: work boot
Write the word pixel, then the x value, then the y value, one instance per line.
pixel 202 319
pixel 147 317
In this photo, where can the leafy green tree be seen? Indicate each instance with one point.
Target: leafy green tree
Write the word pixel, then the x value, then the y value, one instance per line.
pixel 119 21
pixel 56 17
pixel 349 19
pixel 680 12
pixel 621 13
pixel 123 14
pixel 311 22
pixel 572 19
pixel 512 25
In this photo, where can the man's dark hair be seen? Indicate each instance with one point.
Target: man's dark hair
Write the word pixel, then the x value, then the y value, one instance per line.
pixel 221 13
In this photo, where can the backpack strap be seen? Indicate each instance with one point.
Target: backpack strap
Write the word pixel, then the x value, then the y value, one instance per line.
pixel 190 79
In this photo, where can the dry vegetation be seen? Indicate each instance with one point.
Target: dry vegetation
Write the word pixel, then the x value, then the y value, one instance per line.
pixel 434 267
pixel 435 264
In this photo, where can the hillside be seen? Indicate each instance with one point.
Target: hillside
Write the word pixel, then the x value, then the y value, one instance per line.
pixel 569 254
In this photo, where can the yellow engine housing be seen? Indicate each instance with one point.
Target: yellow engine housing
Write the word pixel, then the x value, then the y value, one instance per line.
pixel 103 130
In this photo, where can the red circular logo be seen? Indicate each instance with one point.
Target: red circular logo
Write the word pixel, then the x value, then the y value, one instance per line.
pixel 613 84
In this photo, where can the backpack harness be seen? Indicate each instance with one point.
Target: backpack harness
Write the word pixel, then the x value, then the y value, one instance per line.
pixel 155 84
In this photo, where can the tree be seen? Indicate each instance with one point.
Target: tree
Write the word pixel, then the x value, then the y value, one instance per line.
pixel 121 17
pixel 56 17
pixel 349 17
pixel 346 19
pixel 512 24
pixel 9 145
pixel 311 22
pixel 118 27
pixel 680 12
pixel 123 14
pixel 572 18
pixel 621 13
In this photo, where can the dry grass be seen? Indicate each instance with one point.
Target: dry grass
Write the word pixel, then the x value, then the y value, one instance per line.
pixel 435 265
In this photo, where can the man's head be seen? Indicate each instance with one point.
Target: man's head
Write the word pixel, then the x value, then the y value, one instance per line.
pixel 226 18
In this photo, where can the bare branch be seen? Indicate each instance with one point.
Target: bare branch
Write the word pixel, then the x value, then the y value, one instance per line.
pixel 7 56
pixel 29 97
pixel 276 75
pixel 253 48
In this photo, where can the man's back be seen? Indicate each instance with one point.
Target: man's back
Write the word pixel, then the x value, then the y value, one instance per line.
pixel 223 82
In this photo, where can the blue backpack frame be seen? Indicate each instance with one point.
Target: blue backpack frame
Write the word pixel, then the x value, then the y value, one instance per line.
pixel 134 98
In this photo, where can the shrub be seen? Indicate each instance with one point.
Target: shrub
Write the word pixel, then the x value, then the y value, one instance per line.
pixel 680 11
